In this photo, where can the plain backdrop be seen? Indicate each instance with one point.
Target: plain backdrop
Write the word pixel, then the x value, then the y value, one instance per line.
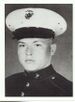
pixel 62 60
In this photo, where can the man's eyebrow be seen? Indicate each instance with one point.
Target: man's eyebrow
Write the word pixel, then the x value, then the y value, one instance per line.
pixel 21 42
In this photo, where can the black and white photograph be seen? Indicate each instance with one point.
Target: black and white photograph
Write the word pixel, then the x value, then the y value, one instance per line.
pixel 38 50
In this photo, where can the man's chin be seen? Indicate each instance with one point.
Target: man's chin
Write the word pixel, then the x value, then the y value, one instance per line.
pixel 30 68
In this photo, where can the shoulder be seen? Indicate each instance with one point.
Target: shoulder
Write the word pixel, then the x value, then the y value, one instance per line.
pixel 18 77
pixel 61 83
pixel 13 84
pixel 15 76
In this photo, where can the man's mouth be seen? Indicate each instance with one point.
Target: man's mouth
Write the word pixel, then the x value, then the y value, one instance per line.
pixel 29 60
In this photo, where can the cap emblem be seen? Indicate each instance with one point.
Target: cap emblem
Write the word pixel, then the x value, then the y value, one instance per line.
pixel 28 14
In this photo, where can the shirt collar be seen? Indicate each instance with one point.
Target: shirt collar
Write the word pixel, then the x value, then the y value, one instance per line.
pixel 41 74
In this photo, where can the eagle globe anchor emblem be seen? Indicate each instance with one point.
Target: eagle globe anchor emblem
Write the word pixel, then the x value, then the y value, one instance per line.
pixel 29 14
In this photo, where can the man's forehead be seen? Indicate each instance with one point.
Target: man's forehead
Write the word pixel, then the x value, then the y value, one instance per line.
pixel 35 40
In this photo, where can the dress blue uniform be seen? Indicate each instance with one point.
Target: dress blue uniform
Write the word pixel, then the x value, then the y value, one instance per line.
pixel 46 82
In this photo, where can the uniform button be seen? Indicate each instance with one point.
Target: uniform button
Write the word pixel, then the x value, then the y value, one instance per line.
pixel 37 75
pixel 22 93
pixel 27 84
pixel 53 77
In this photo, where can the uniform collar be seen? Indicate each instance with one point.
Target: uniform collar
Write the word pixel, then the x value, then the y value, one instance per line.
pixel 41 74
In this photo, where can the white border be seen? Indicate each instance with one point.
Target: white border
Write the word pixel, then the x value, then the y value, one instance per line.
pixel 2 50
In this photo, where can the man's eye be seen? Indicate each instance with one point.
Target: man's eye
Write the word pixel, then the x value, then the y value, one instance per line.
pixel 38 45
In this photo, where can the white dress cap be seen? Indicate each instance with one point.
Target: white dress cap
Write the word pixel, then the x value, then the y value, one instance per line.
pixel 36 17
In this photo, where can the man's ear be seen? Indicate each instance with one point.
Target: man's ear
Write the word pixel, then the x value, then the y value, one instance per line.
pixel 53 49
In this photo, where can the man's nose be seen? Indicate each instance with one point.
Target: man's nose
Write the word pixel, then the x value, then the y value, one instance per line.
pixel 29 50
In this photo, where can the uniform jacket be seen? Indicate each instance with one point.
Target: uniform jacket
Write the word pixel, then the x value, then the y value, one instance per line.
pixel 46 82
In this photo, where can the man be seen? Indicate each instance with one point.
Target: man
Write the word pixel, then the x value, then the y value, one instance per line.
pixel 35 51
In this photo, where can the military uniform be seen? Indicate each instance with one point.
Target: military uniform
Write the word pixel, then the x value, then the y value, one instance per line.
pixel 46 82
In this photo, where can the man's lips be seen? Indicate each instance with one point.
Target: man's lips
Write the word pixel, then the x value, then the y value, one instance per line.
pixel 29 60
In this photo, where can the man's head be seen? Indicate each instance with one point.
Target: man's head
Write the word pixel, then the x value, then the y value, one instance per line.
pixel 35 53
pixel 35 48
pixel 35 28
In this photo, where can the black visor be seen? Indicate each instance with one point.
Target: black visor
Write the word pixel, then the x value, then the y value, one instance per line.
pixel 33 32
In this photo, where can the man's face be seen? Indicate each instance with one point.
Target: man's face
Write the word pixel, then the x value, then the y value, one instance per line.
pixel 34 53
